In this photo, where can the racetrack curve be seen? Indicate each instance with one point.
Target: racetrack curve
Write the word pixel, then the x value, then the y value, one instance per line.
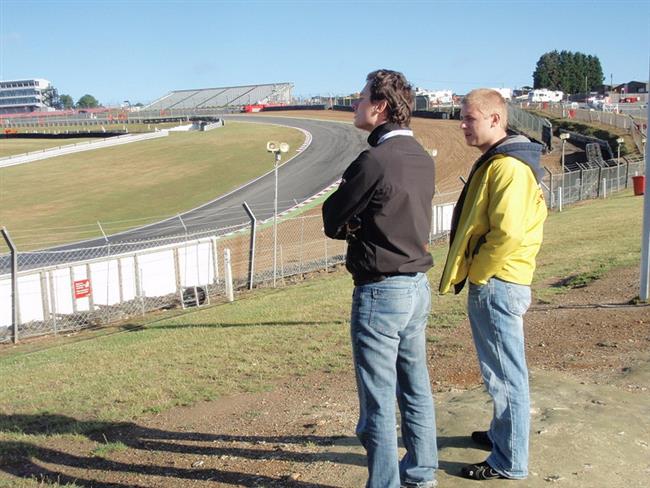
pixel 333 147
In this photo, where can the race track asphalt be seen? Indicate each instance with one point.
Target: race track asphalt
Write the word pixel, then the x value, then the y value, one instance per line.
pixel 333 147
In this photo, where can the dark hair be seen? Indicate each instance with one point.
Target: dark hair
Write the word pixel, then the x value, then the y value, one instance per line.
pixel 392 86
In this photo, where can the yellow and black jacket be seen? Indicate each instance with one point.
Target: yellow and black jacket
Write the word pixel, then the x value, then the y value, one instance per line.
pixel 498 221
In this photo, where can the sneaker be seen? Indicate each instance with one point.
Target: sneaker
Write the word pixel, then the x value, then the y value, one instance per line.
pixel 481 438
pixel 480 471
pixel 419 484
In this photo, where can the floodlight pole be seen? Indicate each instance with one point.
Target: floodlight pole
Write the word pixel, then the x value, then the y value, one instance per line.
pixel 278 157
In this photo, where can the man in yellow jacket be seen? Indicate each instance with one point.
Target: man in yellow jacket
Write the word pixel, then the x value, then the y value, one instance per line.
pixel 495 236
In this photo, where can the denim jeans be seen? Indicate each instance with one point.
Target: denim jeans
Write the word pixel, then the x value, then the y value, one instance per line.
pixel 388 325
pixel 496 312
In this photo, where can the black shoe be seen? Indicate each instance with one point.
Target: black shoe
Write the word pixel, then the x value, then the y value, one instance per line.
pixel 480 471
pixel 481 438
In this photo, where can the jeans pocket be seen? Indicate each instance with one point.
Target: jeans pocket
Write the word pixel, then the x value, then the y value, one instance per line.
pixel 519 298
pixel 391 309
pixel 478 294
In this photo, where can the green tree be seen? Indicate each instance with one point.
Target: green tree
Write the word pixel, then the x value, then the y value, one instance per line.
pixel 66 101
pixel 87 101
pixel 547 72
pixel 568 71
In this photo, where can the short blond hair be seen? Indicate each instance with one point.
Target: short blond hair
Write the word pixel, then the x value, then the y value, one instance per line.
pixel 488 102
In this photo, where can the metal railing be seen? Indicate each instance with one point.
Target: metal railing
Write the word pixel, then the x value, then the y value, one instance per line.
pixel 66 290
pixel 571 187
pixel 532 125
pixel 74 289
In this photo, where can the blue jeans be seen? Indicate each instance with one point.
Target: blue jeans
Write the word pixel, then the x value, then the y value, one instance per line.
pixel 496 312
pixel 388 325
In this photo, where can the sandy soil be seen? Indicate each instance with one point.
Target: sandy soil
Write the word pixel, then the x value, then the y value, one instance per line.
pixel 454 158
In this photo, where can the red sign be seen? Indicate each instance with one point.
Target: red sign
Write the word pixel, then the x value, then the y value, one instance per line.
pixel 81 288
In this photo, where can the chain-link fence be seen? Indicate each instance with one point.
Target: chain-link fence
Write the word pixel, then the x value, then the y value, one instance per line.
pixel 532 125
pixel 571 187
pixel 72 289
pixel 75 288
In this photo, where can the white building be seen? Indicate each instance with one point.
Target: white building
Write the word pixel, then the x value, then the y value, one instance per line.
pixel 31 95
pixel 544 95
pixel 506 93
pixel 439 97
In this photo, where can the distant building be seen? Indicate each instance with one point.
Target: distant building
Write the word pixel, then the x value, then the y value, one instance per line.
pixel 24 96
pixel 544 95
pixel 435 97
pixel 632 87
pixel 506 93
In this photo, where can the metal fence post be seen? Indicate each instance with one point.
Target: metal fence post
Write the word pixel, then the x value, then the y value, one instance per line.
pixel 302 240
pixel 227 271
pixel 326 254
pixel 215 259
pixel 582 184
pixel 550 186
pixel 44 300
pixel 74 300
pixel 251 254
pixel 91 297
pixel 177 276
pixel 53 302
pixel 14 283
pixel 120 286
pixel 598 190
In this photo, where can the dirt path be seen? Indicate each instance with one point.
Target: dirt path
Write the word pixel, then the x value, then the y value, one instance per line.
pixel 590 378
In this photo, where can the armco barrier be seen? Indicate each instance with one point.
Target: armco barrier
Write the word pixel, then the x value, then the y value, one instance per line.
pixel 79 147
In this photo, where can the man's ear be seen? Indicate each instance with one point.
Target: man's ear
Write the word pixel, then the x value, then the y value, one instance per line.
pixel 381 106
pixel 495 120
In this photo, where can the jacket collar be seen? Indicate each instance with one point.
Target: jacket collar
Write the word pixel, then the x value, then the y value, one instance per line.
pixel 381 130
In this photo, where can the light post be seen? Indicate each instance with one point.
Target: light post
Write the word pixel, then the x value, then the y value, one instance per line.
pixel 277 148
pixel 619 141
pixel 563 137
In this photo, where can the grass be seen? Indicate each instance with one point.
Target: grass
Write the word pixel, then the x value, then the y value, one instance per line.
pixel 601 131
pixel 588 239
pixel 105 450
pixel 75 389
pixel 246 345
pixel 61 199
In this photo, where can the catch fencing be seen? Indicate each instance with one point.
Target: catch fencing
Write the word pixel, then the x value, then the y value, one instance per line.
pixel 564 111
pixel 574 186
pixel 636 127
pixel 68 290
pixel 532 125
pixel 73 289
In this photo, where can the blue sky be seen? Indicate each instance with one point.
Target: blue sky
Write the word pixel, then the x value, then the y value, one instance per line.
pixel 139 50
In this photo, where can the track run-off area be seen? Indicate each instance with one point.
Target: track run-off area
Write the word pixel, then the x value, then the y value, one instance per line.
pixel 205 185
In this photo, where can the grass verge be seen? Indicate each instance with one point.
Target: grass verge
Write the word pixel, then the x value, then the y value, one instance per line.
pixel 72 388
pixel 148 181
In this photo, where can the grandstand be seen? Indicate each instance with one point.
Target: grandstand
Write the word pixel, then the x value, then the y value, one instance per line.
pixel 224 97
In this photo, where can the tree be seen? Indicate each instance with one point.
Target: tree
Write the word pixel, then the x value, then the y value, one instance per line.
pixel 66 101
pixel 87 101
pixel 568 71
